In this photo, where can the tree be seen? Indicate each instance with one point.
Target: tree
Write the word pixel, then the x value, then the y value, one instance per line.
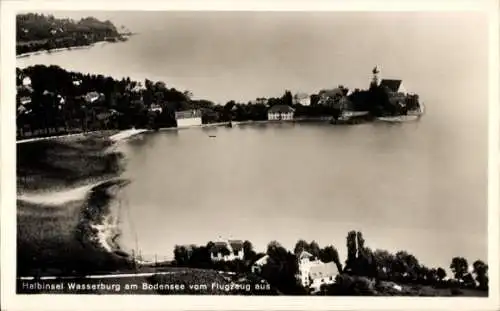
pixel 287 98
pixel 181 255
pixel 248 250
pixel 351 250
pixel 329 254
pixel 459 266
pixel 300 246
pixel 281 269
pixel 432 276
pixel 275 250
pixel 384 263
pixel 481 273
pixel 441 274
pixel 314 249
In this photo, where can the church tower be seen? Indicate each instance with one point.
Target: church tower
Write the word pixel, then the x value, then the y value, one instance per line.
pixel 375 77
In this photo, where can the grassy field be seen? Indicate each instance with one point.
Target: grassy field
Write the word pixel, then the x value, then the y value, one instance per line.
pixel 58 238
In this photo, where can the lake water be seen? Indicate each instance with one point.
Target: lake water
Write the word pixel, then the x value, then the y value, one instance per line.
pixel 417 186
pixel 404 187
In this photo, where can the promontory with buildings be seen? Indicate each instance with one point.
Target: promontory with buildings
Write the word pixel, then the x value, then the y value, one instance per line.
pixel 52 101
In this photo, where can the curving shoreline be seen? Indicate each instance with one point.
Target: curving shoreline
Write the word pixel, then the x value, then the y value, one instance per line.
pixel 99 221
pixel 83 231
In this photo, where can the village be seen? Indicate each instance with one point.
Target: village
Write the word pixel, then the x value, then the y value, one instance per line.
pixel 78 107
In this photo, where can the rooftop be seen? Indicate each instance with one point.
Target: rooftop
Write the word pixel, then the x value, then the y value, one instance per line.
pixel 186 114
pixel 323 270
pixel 219 247
pixel 305 254
pixel 236 245
pixel 392 85
pixel 281 109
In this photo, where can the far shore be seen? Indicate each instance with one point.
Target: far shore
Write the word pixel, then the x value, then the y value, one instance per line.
pixel 208 125
pixel 76 47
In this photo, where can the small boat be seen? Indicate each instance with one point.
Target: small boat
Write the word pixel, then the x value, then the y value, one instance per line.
pixel 212 136
pixel 229 124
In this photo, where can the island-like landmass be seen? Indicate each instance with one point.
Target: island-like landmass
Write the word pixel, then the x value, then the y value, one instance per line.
pixel 39 32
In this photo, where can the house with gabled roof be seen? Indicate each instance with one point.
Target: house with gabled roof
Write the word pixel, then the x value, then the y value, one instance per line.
pixel 227 250
pixel 395 91
pixel 391 85
pixel 313 273
pixel 280 112
pixel 259 263
pixel 322 274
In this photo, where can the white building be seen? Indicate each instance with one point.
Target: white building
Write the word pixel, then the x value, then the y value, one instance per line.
pixel 257 266
pixel 280 112
pixel 155 108
pixel 188 118
pixel 227 250
pixel 302 99
pixel 313 273
pixel 26 81
pixel 93 97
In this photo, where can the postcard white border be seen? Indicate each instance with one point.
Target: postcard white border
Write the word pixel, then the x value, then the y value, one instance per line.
pixel 11 301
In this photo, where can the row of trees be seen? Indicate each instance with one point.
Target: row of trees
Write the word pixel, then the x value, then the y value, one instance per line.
pixel 36 32
pixel 405 267
pixel 379 265
pixel 401 267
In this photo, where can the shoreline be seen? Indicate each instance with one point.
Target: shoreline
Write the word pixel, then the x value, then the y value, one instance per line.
pixel 123 134
pixel 56 50
pixel 96 223
pixel 77 47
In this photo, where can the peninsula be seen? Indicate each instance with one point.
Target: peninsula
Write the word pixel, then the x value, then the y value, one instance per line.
pixel 52 101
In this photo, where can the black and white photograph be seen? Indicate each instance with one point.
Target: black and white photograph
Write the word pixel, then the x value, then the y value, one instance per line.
pixel 289 153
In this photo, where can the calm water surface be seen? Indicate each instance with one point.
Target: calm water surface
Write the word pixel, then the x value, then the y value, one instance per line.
pixel 403 187
pixel 417 186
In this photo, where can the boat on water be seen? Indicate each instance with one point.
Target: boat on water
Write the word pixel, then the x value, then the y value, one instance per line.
pixel 229 124
pixel 412 115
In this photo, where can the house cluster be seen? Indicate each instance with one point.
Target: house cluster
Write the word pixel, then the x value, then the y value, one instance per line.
pixel 227 250
pixel 312 272
pixel 96 111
